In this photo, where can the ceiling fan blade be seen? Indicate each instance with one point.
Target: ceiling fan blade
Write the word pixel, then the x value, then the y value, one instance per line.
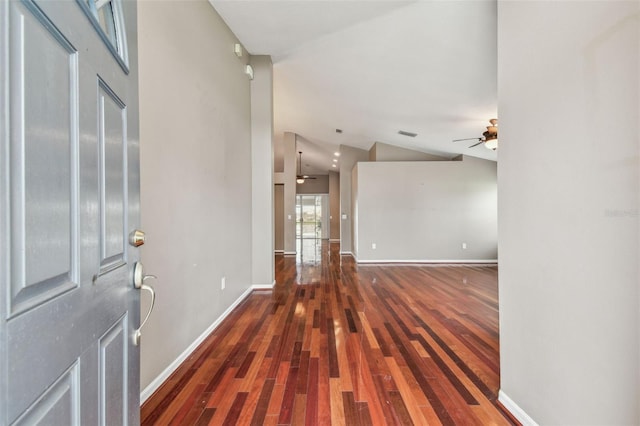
pixel 476 144
pixel 467 139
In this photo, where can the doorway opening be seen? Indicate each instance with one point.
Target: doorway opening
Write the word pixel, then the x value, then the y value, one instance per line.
pixel 312 225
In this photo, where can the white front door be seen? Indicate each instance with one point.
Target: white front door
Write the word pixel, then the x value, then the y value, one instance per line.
pixel 69 197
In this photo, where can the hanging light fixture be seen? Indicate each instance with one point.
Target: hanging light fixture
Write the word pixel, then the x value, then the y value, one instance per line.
pixel 491 135
pixel 491 142
pixel 490 139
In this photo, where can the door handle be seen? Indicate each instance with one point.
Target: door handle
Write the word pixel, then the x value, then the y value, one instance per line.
pixel 138 282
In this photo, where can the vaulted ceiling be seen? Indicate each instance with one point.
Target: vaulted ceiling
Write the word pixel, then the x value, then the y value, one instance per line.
pixel 372 68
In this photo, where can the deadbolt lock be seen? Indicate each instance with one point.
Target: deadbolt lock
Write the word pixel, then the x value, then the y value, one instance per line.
pixel 136 238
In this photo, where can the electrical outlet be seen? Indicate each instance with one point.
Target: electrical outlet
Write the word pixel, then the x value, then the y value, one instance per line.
pixel 223 283
pixel 464 246
pixel 373 246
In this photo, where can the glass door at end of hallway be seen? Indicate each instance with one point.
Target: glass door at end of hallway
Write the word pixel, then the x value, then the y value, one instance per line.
pixel 308 216
pixel 311 226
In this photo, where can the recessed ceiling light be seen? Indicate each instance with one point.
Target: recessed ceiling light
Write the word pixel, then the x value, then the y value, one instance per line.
pixel 337 154
pixel 405 133
pixel 335 160
pixel 333 165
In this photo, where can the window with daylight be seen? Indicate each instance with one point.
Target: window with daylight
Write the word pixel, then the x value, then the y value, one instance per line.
pixel 107 18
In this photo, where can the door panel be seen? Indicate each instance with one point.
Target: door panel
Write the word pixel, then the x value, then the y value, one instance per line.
pixel 69 192
pixel 113 383
pixel 43 147
pixel 59 405
pixel 113 178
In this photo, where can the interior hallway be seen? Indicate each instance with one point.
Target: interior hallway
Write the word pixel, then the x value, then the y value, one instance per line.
pixel 340 343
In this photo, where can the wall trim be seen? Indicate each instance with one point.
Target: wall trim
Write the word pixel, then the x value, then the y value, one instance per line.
pixel 164 375
pixel 278 251
pixel 289 253
pixel 263 286
pixel 347 253
pixel 448 261
pixel 515 410
pixel 334 240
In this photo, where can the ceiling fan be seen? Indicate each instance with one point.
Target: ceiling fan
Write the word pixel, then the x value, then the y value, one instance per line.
pixel 490 139
pixel 300 178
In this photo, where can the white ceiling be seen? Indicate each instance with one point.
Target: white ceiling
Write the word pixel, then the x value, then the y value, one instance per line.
pixel 374 67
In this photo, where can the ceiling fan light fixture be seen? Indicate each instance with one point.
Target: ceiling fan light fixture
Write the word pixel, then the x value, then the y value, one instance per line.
pixel 491 143
pixel 300 180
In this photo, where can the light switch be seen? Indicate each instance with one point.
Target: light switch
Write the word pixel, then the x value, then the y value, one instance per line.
pixel 344 216
pixel 289 217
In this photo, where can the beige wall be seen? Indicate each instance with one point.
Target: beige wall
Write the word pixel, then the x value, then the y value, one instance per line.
pixel 349 156
pixel 195 142
pixel 334 206
pixel 385 152
pixel 568 179
pixel 355 214
pixel 262 234
pixel 425 211
pixel 278 215
pixel 289 181
pixel 319 185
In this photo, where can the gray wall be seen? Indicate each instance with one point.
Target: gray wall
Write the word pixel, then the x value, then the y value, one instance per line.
pixel 568 178
pixel 334 206
pixel 349 156
pixel 426 210
pixel 195 143
pixel 262 225
pixel 319 185
pixel 385 152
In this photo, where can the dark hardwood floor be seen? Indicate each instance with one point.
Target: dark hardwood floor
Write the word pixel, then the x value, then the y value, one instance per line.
pixel 336 343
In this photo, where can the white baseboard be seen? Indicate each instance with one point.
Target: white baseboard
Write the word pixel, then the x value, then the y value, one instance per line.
pixel 449 261
pixel 515 410
pixel 278 251
pixel 346 253
pixel 289 253
pixel 164 375
pixel 334 240
pixel 264 286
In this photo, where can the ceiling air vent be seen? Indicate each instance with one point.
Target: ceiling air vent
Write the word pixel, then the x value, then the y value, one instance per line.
pixel 410 134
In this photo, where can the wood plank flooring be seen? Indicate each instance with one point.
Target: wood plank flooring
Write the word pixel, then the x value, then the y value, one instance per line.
pixel 336 343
